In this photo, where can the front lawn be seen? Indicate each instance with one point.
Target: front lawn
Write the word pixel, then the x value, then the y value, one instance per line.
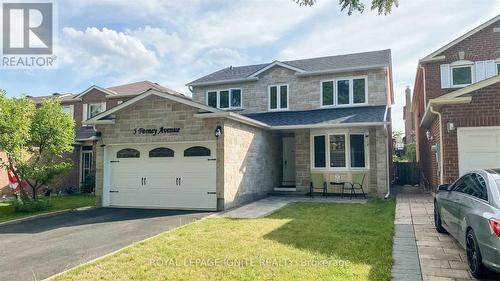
pixel 303 241
pixel 58 203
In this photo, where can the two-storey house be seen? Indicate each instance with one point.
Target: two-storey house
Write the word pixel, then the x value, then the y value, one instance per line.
pixel 83 106
pixel 456 106
pixel 248 130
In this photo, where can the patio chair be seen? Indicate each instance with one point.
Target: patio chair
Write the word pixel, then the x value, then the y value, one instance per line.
pixel 357 183
pixel 317 183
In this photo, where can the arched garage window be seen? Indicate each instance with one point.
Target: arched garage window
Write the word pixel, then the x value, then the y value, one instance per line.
pixel 197 151
pixel 128 153
pixel 161 152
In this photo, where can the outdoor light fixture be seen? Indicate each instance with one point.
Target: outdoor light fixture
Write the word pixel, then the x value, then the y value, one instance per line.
pixel 218 131
pixel 450 126
pixel 428 135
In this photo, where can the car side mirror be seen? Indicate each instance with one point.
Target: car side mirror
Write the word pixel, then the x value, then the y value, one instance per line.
pixel 443 187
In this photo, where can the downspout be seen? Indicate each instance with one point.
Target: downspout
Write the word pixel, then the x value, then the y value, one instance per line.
pixel 386 132
pixel 441 172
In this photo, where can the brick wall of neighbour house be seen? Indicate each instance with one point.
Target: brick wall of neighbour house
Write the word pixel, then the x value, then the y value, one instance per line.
pixel 4 180
pixel 154 111
pixel 71 179
pixel 484 45
pixel 431 162
pixel 484 110
pixel 304 92
pixel 252 162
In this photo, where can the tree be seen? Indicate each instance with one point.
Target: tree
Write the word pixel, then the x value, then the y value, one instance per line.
pixel 35 140
pixel 382 6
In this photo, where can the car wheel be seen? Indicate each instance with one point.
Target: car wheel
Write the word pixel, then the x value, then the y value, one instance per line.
pixel 437 220
pixel 474 258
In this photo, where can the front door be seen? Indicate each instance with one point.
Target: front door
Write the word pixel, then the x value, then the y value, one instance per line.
pixel 288 161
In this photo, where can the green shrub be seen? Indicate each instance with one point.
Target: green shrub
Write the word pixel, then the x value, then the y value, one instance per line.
pixel 28 205
pixel 88 184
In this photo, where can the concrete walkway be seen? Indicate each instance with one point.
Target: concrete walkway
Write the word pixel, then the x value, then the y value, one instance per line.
pixel 440 257
pixel 268 205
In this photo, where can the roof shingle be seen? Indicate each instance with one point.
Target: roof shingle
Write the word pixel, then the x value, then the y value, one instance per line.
pixel 327 116
pixel 330 63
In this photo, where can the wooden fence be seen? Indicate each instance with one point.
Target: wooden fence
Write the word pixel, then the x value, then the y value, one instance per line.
pixel 406 173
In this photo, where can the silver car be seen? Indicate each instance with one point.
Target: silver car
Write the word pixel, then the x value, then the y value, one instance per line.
pixel 469 210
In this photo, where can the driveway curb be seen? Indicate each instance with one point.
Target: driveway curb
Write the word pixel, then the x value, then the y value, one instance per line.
pixel 44 215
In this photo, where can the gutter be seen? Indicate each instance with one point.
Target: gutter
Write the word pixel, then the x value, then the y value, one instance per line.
pixel 331 71
pixel 441 174
pixel 222 81
pixel 387 154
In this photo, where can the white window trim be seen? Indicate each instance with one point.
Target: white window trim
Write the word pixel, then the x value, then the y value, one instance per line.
pixel 230 97
pixel 346 133
pixel 460 64
pixel 101 104
pixel 351 91
pixel 71 109
pixel 278 101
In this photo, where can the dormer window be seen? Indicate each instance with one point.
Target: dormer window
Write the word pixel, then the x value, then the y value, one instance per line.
pixel 224 99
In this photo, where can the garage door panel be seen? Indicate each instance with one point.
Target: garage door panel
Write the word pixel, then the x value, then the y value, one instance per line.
pixel 478 148
pixel 194 190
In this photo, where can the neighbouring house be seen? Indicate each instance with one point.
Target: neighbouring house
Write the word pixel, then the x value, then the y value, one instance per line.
pixel 5 189
pixel 408 118
pixel 81 107
pixel 248 130
pixel 456 106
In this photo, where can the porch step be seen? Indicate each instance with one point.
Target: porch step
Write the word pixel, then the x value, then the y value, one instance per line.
pixel 285 188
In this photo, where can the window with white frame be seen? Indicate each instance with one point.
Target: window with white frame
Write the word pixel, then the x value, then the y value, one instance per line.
pixel 94 109
pixel 342 150
pixel 68 109
pixel 224 99
pixel 278 97
pixel 461 75
pixel 344 91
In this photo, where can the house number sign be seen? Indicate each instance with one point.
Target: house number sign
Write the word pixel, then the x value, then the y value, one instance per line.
pixel 155 131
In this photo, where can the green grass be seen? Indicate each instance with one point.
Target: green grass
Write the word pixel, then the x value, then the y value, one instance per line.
pixel 58 203
pixel 303 241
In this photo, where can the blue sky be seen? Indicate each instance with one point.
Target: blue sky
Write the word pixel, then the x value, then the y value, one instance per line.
pixel 108 42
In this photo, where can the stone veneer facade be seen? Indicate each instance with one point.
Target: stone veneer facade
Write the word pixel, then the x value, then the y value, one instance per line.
pixel 248 158
pixel 304 92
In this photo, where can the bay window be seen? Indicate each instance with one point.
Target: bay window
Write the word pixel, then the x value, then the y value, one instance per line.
pixel 344 92
pixel 345 150
pixel 224 99
pixel 278 97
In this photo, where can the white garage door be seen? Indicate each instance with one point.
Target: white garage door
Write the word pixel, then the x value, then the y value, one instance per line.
pixel 167 175
pixel 478 148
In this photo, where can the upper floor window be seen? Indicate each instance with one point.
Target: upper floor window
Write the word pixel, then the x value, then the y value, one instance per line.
pixel 94 109
pixel 347 91
pixel 278 97
pixel 461 75
pixel 224 99
pixel 68 109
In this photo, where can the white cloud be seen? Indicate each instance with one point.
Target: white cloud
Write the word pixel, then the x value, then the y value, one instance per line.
pixel 157 38
pixel 101 52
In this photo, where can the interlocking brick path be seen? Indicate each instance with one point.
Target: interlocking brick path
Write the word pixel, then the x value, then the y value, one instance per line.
pixel 440 257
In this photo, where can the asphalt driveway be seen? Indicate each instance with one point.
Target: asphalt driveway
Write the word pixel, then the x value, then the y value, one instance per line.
pixel 40 248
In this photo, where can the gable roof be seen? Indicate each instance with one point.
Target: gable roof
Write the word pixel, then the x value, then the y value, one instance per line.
pixel 460 39
pixel 101 117
pixel 303 67
pixel 119 91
